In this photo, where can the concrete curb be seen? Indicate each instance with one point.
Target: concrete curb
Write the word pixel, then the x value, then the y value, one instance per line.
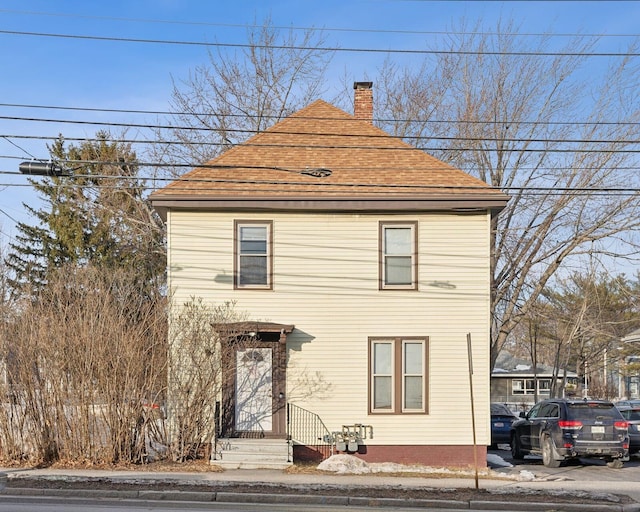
pixel 299 499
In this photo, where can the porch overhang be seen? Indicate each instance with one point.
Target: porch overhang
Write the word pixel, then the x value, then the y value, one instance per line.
pixel 232 330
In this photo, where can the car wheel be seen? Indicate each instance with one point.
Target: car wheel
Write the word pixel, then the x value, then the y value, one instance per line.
pixel 516 451
pixel 549 454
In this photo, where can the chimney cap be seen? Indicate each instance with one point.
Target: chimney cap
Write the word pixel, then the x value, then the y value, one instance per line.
pixel 362 85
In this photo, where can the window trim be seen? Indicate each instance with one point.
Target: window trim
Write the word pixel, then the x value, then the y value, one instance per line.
pixel 237 224
pixel 382 285
pixel 398 374
pixel 536 386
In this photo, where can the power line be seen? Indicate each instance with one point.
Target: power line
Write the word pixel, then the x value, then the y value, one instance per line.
pixel 444 167
pixel 585 191
pixel 332 135
pixel 533 191
pixel 324 29
pixel 263 116
pixel 355 147
pixel 320 48
pixel 20 148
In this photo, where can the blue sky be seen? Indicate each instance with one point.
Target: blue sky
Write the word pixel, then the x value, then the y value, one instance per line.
pixel 68 72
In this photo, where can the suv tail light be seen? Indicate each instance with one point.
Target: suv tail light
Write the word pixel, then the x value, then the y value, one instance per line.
pixel 570 424
pixel 621 425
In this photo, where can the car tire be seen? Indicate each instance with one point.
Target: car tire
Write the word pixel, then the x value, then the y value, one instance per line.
pixel 549 456
pixel 516 450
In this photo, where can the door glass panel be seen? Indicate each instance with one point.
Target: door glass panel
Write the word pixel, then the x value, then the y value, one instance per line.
pixel 254 404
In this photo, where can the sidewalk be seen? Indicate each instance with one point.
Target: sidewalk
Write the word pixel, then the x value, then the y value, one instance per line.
pixel 338 489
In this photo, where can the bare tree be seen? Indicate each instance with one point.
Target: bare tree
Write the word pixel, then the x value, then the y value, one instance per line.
pixel 196 376
pixel 585 316
pixel 84 360
pixel 533 120
pixel 239 94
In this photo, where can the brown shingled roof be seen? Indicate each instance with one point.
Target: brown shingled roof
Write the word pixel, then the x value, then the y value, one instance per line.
pixel 287 163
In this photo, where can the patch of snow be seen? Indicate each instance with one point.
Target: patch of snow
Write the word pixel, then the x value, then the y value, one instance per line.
pixel 344 464
pixel 523 367
pixel 526 476
pixel 350 464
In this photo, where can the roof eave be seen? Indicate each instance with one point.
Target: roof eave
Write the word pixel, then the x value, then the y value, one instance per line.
pixel 460 203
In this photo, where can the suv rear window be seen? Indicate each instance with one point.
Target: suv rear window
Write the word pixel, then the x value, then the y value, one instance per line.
pixel 592 411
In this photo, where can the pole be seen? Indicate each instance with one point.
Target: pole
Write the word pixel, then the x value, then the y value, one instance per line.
pixel 606 377
pixel 473 412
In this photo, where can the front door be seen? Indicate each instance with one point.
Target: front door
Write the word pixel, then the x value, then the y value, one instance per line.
pixel 254 390
pixel 253 402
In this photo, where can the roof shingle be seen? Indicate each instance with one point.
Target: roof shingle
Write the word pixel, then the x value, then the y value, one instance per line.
pixel 364 162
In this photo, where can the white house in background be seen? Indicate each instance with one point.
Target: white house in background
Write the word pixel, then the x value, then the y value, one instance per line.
pixel 363 263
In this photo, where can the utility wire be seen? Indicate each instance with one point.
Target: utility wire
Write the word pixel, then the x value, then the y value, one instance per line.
pixel 319 48
pixel 323 29
pixel 262 116
pixel 244 130
pixel 585 191
pixel 365 147
pixel 218 188
pixel 355 147
pixel 20 148
pixel 444 167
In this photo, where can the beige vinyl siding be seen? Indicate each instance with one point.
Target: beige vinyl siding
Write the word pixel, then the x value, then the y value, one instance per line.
pixel 326 283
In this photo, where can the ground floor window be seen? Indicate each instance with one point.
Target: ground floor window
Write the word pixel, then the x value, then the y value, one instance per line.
pixel 528 386
pixel 398 375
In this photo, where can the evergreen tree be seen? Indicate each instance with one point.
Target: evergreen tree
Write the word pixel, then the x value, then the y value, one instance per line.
pixel 97 215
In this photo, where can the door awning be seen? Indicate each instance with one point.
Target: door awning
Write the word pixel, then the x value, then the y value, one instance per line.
pixel 253 329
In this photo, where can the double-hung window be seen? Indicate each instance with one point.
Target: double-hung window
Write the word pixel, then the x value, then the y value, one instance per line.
pixel 398 255
pixel 253 258
pixel 398 375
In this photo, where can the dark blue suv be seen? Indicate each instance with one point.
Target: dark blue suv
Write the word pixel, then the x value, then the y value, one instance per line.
pixel 560 429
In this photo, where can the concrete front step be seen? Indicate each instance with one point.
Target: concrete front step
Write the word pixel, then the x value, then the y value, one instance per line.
pixel 252 453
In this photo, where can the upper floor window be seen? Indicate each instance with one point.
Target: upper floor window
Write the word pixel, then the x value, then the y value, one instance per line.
pixel 253 258
pixel 398 260
pixel 397 375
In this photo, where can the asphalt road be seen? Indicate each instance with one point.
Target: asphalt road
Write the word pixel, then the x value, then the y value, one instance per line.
pixel 116 505
pixel 582 469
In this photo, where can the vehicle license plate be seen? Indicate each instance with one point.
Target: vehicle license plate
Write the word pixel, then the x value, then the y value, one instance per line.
pixel 597 430
pixel 499 424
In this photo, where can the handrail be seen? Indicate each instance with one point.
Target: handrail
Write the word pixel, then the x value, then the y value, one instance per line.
pixel 306 428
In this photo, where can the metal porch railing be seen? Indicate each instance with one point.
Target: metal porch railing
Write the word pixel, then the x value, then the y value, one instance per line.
pixel 306 429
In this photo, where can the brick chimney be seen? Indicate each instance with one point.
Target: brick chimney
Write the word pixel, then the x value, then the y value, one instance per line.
pixel 363 101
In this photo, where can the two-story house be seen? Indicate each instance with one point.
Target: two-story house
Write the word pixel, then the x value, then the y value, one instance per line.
pixel 364 265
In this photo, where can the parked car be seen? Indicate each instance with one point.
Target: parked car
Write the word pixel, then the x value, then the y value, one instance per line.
pixel 501 420
pixel 632 415
pixel 562 429
pixel 628 403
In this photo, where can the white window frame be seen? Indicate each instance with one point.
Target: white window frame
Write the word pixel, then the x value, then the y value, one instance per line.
pixel 398 375
pixel 268 255
pixel 528 386
pixel 385 256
